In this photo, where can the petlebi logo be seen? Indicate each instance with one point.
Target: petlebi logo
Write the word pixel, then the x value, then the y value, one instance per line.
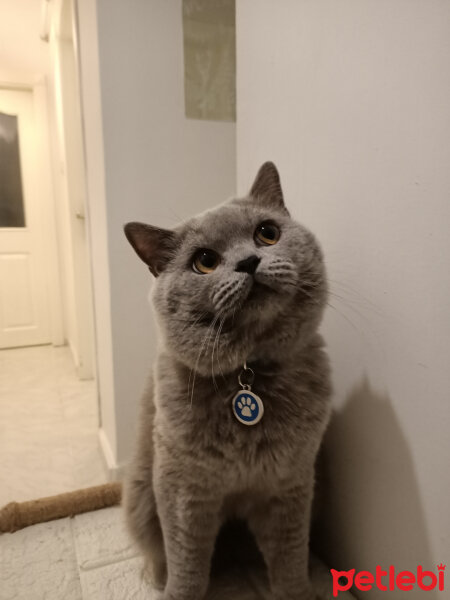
pixel 388 580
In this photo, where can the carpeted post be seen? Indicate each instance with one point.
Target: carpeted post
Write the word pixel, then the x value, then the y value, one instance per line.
pixel 17 515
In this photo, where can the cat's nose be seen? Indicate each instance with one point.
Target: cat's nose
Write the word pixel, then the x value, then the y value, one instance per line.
pixel 248 265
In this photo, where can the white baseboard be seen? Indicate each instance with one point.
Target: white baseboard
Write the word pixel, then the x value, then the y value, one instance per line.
pixel 115 471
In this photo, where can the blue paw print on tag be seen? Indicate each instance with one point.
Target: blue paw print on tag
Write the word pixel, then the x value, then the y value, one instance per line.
pixel 246 407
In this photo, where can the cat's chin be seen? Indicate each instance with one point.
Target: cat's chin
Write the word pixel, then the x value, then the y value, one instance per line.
pixel 259 294
pixel 262 307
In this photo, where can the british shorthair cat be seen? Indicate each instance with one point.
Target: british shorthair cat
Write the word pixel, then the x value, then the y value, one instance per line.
pixel 239 398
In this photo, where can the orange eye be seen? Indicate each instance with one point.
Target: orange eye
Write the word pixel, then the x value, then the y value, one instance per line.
pixel 205 261
pixel 267 233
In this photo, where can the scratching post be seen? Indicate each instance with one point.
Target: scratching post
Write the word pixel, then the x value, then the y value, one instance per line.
pixel 17 515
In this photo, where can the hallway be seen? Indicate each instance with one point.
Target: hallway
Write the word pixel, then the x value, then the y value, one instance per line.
pixel 48 425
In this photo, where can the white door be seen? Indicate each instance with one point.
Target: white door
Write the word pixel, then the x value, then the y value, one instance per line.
pixel 24 302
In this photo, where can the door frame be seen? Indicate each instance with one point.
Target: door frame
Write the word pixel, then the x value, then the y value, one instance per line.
pixel 37 86
pixel 64 43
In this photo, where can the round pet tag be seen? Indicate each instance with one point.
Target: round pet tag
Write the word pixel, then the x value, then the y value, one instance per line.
pixel 247 407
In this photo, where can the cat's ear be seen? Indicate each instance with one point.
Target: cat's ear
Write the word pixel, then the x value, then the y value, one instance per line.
pixel 153 245
pixel 266 188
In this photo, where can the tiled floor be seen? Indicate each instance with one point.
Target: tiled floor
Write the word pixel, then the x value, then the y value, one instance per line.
pixel 91 557
pixel 48 425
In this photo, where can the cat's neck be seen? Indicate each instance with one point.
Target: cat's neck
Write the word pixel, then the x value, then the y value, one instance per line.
pixel 285 342
pixel 263 359
pixel 267 357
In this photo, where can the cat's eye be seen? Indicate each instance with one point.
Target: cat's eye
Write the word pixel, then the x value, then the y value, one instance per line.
pixel 205 261
pixel 267 233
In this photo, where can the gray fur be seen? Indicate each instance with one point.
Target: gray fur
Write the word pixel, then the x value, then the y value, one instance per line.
pixel 196 466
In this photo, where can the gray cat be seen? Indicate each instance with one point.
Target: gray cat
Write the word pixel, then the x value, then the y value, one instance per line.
pixel 238 402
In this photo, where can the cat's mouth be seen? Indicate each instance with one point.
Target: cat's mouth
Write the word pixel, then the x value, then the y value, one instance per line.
pixel 258 294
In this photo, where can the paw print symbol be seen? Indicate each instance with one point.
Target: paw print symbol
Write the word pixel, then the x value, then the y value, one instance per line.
pixel 247 406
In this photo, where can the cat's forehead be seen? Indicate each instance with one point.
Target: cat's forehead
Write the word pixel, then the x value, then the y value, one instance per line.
pixel 225 224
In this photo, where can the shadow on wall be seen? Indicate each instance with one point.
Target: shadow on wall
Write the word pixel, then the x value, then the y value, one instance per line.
pixel 372 509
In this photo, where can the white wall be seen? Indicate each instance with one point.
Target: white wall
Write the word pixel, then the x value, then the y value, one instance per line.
pixel 351 100
pixel 97 210
pixel 21 49
pixel 159 167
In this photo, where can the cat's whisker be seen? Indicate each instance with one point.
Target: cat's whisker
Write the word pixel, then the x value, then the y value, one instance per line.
pixel 205 340
pixel 225 296
pixel 346 288
pixel 217 340
pixel 211 332
pixel 203 314
pixel 347 303
pixel 212 355
pixel 193 369
pixel 339 312
pixel 306 292
pixel 188 323
pixel 360 301
pixel 199 318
